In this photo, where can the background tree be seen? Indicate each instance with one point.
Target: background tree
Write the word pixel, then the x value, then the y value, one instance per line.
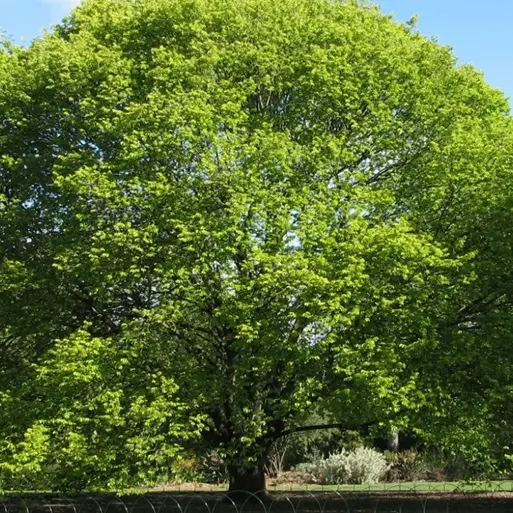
pixel 217 215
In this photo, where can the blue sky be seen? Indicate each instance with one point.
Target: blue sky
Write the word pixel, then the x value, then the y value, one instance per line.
pixel 479 31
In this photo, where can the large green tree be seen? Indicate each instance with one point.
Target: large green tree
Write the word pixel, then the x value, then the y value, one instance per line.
pixel 217 216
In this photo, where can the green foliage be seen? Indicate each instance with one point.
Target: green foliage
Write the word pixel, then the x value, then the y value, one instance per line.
pixel 219 216
pixel 185 470
pixel 97 416
pixel 212 469
pixel 436 465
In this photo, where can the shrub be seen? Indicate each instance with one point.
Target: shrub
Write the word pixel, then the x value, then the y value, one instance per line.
pixel 366 465
pixel 440 466
pixel 362 465
pixel 403 466
pixel 431 465
pixel 185 470
pixel 276 457
pixel 209 468
pixel 212 469
pixel 330 470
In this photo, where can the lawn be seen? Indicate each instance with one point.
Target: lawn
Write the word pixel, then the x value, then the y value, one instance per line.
pixel 412 486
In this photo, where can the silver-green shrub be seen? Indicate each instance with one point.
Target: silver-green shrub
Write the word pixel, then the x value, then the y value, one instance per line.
pixel 362 465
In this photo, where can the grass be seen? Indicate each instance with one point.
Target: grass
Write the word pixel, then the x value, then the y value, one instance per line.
pixel 460 487
pixel 409 487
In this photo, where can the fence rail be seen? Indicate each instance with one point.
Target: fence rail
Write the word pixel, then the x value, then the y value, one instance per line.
pixel 481 498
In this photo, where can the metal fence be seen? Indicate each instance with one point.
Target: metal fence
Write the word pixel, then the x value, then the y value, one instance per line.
pixel 475 498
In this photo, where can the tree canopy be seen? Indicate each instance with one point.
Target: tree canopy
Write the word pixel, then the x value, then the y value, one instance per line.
pixel 217 216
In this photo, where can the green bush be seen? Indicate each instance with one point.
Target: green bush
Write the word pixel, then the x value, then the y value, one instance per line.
pixel 361 465
pixel 403 466
pixel 440 466
pixel 212 469
pixel 207 468
pixel 431 465
pixel 185 470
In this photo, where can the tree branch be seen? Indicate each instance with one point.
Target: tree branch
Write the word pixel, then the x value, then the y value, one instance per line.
pixel 336 425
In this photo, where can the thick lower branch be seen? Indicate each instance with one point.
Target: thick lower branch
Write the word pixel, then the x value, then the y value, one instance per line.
pixel 335 425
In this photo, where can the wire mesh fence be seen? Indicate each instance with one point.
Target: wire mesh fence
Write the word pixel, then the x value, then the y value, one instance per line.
pixel 464 498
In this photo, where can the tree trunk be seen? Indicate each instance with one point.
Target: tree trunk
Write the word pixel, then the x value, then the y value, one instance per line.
pixel 393 440
pixel 247 482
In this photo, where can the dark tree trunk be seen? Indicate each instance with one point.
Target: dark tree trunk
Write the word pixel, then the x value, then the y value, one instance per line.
pixel 247 482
